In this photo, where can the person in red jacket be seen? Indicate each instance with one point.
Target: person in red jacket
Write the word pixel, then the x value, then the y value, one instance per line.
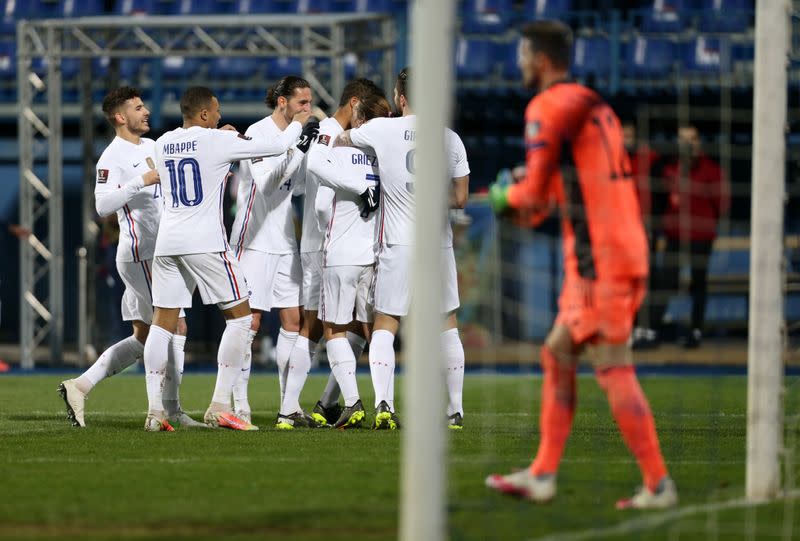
pixel 576 161
pixel 698 196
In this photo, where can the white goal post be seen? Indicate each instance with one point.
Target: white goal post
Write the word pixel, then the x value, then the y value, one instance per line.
pixel 766 321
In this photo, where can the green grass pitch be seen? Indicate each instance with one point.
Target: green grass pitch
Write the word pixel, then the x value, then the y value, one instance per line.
pixel 114 481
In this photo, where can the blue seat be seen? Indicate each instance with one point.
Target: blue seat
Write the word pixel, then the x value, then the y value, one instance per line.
pixel 650 57
pixel 8 61
pixel 239 68
pixel 591 56
pixel 364 6
pixel 474 58
pixel 81 8
pixel 179 66
pixel 136 7
pixel 242 7
pixel 131 69
pixel 486 16
pixel 507 53
pixel 725 16
pixel 665 16
pixel 309 6
pixel 198 7
pixel 707 54
pixel 283 66
pixel 546 9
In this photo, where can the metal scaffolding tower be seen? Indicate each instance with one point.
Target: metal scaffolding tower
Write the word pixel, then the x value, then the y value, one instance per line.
pixel 45 43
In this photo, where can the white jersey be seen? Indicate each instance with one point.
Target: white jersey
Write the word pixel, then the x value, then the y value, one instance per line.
pixel 393 140
pixel 193 164
pixel 313 238
pixel 349 238
pixel 120 188
pixel 264 216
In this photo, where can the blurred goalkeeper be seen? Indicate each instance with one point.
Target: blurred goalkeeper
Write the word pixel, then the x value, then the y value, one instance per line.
pixel 576 160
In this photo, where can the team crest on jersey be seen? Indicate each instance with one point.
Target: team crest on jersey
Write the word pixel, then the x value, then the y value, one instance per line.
pixel 242 136
pixel 102 176
pixel 324 139
pixel 532 129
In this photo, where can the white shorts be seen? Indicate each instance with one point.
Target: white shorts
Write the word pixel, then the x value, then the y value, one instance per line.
pixel 137 301
pixel 346 290
pixel 393 280
pixel 217 275
pixel 312 279
pixel 274 279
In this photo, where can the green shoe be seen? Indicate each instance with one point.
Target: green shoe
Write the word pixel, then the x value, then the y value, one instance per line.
pixel 385 418
pixel 351 417
pixel 326 416
pixel 298 419
pixel 455 422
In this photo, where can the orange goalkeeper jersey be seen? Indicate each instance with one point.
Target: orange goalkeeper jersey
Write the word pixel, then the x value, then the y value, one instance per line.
pixel 575 152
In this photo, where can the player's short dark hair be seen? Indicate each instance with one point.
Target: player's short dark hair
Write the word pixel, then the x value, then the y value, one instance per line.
pixel 195 99
pixel 116 98
pixel 551 38
pixel 360 88
pixel 285 87
pixel 403 85
pixel 373 106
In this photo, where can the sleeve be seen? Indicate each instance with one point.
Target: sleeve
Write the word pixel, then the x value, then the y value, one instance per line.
pixel 459 166
pixel 366 135
pixel 542 152
pixel 323 206
pixel 332 174
pixel 235 146
pixel 267 178
pixel 299 176
pixel 110 194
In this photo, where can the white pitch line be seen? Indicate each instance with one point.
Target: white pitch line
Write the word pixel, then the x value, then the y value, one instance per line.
pixel 650 521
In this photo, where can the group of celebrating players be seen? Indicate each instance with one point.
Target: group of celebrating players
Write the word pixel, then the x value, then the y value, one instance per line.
pixel 351 272
pixel 349 275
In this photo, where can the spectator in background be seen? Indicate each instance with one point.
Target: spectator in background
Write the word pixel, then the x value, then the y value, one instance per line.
pixel 698 197
pixel 21 233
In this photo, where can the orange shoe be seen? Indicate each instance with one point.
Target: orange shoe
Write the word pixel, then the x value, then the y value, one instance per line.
pixel 226 419
pixel 157 423
pixel 4 366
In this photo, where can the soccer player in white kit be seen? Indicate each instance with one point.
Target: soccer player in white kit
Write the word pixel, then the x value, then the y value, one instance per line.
pixel 327 410
pixel 264 240
pixel 127 184
pixel 192 250
pixel 393 141
pixel 348 182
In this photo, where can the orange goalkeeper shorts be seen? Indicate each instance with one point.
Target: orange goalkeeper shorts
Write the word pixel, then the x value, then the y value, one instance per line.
pixel 598 311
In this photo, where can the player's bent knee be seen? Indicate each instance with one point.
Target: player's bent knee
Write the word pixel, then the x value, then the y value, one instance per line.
pixel 140 330
pixel 235 309
pixel 182 328
pixel 605 355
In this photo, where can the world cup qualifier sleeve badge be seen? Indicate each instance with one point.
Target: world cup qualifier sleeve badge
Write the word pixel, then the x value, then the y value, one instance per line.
pixel 102 176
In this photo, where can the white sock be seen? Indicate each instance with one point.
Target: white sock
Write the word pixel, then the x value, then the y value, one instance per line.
pixel 330 396
pixel 282 351
pixel 343 367
pixel 454 362
pixel 156 352
pixel 357 343
pixel 174 375
pixel 232 350
pixel 113 361
pixel 299 365
pixel 240 401
pixel 381 366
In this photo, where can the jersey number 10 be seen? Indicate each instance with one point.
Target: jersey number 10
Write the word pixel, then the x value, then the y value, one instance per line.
pixel 177 182
pixel 618 166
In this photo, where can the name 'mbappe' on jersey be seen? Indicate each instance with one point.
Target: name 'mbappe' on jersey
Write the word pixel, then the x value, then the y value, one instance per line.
pixel 193 164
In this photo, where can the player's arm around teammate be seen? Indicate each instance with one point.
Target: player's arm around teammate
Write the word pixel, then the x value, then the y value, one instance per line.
pixel 127 184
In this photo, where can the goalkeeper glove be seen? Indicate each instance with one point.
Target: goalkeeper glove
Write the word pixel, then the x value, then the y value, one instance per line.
pixel 369 201
pixel 498 198
pixel 309 134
